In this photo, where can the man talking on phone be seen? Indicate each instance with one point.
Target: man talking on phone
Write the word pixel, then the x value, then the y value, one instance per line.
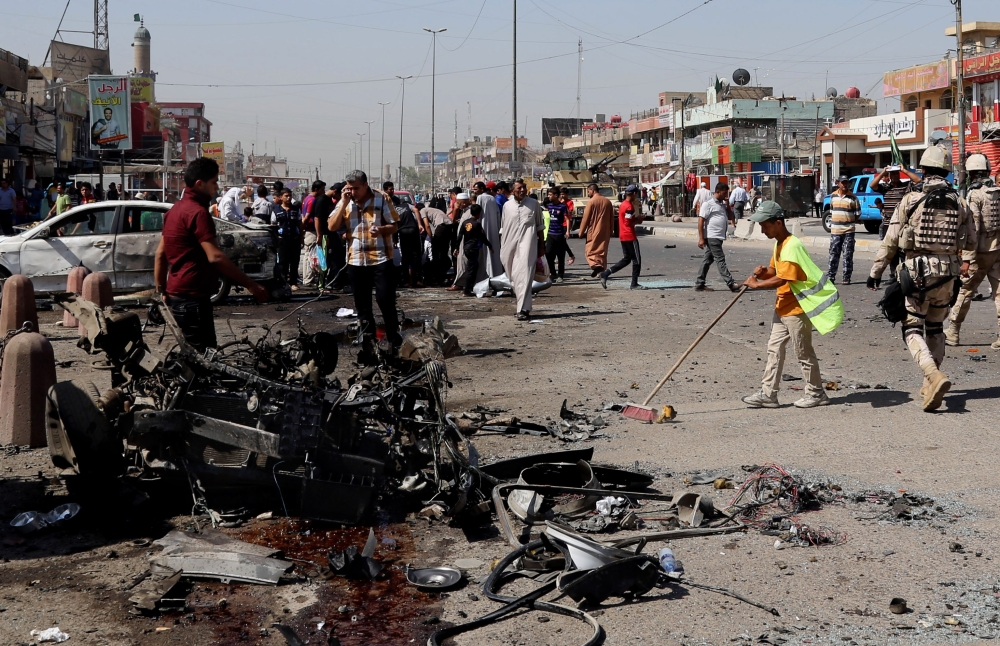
pixel 371 220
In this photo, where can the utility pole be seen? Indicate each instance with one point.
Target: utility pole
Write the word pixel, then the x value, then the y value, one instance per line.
pixel 960 82
pixel 684 196
pixel 370 148
pixel 781 141
pixel 361 150
pixel 456 128
pixel 579 74
pixel 434 33
pixel 402 102
pixel 513 138
pixel 382 158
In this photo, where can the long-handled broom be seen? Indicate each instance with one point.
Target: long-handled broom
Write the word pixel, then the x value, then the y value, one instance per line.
pixel 643 412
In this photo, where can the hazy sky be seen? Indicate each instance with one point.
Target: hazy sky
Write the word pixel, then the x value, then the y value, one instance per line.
pixel 311 72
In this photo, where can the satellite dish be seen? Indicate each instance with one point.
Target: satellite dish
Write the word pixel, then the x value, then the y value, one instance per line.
pixel 741 77
pixel 831 92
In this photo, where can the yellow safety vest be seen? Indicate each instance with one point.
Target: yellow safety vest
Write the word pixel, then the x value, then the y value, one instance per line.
pixel 817 296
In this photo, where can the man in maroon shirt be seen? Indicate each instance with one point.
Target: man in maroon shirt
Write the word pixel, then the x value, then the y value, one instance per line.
pixel 189 261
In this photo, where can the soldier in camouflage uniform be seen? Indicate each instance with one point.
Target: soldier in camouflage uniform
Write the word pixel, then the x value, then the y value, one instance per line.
pixel 931 226
pixel 984 202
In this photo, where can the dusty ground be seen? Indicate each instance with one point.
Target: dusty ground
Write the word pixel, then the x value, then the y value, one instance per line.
pixel 587 345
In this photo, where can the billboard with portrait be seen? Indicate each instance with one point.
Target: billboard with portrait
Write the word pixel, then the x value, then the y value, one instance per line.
pixel 110 113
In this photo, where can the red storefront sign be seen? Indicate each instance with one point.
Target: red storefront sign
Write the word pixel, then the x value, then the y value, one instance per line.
pixel 982 65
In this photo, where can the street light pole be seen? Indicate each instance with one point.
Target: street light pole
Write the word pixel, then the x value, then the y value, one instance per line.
pixel 381 168
pixel 402 103
pixel 684 194
pixel 361 150
pixel 434 33
pixel 370 148
pixel 513 138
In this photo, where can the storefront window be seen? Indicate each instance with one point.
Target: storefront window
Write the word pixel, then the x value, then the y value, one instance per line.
pixel 987 101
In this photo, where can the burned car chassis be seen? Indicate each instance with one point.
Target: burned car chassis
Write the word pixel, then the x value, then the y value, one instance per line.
pixel 262 424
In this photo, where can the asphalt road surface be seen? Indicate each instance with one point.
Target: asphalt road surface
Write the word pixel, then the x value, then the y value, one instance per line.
pixel 591 346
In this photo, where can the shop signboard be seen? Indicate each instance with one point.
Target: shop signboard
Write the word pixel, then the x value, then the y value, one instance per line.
pixel 919 78
pixel 659 156
pixel 439 158
pixel 110 113
pixel 216 150
pixel 721 136
pixel 981 65
pixel 76 62
pixel 75 103
pixel 141 90
pixel 666 116
pixel 879 129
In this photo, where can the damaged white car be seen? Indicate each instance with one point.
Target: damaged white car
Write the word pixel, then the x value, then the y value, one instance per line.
pixel 120 240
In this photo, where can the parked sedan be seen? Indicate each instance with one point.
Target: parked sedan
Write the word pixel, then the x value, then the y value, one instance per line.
pixel 120 240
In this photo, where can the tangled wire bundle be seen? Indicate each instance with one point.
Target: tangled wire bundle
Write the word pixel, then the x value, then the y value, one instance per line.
pixel 769 492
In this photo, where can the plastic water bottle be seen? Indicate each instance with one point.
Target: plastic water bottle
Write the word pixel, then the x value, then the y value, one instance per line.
pixel 667 560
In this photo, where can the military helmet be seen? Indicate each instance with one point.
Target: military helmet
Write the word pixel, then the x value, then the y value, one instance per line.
pixel 935 157
pixel 978 162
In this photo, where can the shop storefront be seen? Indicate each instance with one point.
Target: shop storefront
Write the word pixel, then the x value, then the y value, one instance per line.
pixel 861 145
pixel 983 134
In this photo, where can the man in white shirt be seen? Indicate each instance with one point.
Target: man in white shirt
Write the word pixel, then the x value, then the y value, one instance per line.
pixel 701 196
pixel 818 201
pixel 713 225
pixel 738 200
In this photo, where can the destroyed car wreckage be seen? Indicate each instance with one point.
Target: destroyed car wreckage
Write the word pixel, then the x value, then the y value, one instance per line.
pixel 262 420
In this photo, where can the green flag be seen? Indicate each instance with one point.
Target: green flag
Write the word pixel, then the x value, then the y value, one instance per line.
pixel 897 157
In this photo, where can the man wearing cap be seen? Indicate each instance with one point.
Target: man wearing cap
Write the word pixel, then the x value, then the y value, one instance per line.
pixel 806 298
pixel 629 214
pixel 845 210
pixel 713 225
pixel 701 196
pixel 892 187
pixel 462 203
pixel 523 236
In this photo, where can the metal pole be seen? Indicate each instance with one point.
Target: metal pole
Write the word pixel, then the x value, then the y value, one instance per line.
pixel 382 158
pixel 370 149
pixel 513 139
pixel 434 33
pixel 402 104
pixel 960 82
pixel 361 150
pixel 121 190
pixel 781 142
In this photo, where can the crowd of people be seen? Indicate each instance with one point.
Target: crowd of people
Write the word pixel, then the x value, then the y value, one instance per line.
pixel 498 237
pixel 33 203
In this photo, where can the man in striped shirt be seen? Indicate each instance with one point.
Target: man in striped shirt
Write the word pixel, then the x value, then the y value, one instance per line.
pixel 890 184
pixel 370 219
pixel 845 210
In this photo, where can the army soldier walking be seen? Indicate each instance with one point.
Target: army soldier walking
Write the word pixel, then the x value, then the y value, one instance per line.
pixel 984 262
pixel 932 226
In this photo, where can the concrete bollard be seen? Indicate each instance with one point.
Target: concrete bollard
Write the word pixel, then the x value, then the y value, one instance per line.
pixel 74 285
pixel 29 370
pixel 97 290
pixel 18 304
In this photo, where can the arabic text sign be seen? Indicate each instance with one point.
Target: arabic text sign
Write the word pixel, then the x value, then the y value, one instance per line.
pixel 982 65
pixel 878 129
pixel 75 62
pixel 919 78
pixel 110 113
pixel 142 89
pixel 665 116
pixel 216 150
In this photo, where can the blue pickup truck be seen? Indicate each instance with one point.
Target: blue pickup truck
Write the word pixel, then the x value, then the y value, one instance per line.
pixel 871 204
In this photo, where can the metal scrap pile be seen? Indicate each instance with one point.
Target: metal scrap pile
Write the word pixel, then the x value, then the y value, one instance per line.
pixel 262 422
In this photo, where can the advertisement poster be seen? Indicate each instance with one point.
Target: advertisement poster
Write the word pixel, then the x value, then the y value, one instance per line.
pixel 76 62
pixel 920 78
pixel 110 113
pixel 142 89
pixel 216 150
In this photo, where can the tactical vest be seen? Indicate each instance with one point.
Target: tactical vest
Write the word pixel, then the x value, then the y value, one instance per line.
pixel 930 226
pixel 991 209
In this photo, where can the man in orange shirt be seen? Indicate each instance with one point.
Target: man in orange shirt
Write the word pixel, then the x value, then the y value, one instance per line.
pixel 790 267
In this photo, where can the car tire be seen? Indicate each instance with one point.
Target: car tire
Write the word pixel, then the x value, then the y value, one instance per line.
pixel 78 433
pixel 827 220
pixel 872 226
pixel 221 294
